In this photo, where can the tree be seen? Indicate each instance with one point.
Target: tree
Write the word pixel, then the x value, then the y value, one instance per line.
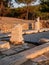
pixel 5 2
pixel 45 5
pixel 27 2
pixel 3 5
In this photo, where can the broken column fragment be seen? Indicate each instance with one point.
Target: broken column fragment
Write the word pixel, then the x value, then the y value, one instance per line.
pixel 16 35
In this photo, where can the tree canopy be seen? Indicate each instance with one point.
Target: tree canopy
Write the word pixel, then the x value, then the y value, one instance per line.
pixel 5 2
pixel 27 2
pixel 26 12
pixel 3 5
pixel 45 5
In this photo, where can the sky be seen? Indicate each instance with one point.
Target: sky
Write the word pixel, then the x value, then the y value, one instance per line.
pixel 20 5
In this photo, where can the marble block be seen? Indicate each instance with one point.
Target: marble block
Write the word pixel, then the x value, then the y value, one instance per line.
pixel 4 45
pixel 16 35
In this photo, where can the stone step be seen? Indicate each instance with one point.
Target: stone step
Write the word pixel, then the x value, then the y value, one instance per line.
pixel 20 58
pixel 15 49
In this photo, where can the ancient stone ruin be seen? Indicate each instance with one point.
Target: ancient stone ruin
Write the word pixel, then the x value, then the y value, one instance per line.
pixel 16 35
pixel 4 45
pixel 37 24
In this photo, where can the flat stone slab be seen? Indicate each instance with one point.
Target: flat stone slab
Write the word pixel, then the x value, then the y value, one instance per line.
pixel 20 58
pixel 15 49
pixel 8 52
pixel 44 29
pixel 40 59
pixel 3 35
pixel 4 45
pixel 30 31
pixel 43 40
pixel 36 37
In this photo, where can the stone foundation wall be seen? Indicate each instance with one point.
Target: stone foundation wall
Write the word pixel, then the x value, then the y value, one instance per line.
pixel 6 23
pixel 25 26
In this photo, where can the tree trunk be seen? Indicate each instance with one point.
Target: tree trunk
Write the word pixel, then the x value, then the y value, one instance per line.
pixel 2 9
pixel 27 12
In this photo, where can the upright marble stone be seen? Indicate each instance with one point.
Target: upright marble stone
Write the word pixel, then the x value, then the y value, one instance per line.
pixel 37 24
pixel 16 35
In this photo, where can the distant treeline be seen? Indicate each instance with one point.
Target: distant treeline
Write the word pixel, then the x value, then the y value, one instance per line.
pixel 34 12
pixel 41 11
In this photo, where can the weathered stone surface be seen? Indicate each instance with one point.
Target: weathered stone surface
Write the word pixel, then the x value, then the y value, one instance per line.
pixel 30 31
pixel 46 54
pixel 37 61
pixel 33 26
pixel 20 58
pixel 9 52
pixel 37 24
pixel 40 59
pixel 40 51
pixel 15 49
pixel 4 45
pixel 44 40
pixel 25 26
pixel 16 35
pixel 44 30
pixel 36 37
pixel 29 62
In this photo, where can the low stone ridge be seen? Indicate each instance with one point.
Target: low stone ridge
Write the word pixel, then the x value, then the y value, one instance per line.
pixel 7 23
pixel 43 40
pixel 40 59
